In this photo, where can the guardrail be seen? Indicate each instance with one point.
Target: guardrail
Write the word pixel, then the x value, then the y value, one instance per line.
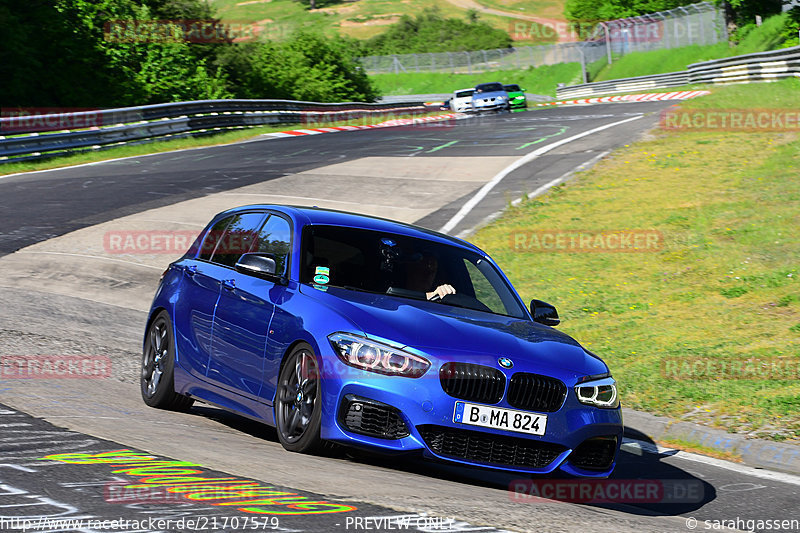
pixel 624 85
pixel 760 66
pixel 34 136
pixel 757 67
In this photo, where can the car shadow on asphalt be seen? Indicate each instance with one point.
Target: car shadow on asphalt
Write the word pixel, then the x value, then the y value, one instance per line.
pixel 642 483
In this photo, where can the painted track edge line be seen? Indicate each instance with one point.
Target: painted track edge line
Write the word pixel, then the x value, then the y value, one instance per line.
pixel 527 158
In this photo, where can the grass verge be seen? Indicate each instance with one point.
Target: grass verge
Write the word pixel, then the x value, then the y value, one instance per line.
pixel 723 287
pixel 539 80
pixel 177 144
pixel 696 447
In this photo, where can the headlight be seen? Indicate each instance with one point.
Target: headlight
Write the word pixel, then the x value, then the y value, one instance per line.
pixel 600 393
pixel 501 98
pixel 519 97
pixel 377 357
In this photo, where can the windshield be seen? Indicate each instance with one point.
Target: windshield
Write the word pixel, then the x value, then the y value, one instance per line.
pixel 512 88
pixel 406 267
pixel 488 88
pixel 464 94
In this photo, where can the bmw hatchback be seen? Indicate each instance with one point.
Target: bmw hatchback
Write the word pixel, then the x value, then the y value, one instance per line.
pixel 337 327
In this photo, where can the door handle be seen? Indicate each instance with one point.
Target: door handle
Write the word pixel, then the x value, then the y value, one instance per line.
pixel 229 284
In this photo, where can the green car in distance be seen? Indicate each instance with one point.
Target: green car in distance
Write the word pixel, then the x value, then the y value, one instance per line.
pixel 516 96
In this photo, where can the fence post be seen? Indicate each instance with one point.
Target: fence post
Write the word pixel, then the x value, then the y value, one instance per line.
pixel 688 28
pixel 608 41
pixel 701 20
pixel 583 65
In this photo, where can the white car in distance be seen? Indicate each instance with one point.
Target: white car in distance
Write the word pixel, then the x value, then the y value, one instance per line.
pixel 461 102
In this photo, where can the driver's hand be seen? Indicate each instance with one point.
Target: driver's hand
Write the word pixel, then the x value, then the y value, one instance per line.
pixel 440 292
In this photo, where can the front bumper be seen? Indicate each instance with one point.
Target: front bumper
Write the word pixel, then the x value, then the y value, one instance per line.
pixel 426 415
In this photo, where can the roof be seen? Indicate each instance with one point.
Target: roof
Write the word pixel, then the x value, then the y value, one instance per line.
pixel 330 217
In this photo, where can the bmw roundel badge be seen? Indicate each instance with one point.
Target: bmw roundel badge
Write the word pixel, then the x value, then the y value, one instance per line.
pixel 505 362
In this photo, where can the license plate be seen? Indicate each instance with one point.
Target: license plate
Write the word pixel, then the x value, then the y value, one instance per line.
pixel 499 418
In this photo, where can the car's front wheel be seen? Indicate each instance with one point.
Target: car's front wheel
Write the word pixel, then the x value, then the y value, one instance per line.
pixel 298 402
pixel 158 364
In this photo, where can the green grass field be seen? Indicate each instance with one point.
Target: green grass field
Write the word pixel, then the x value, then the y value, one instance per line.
pixel 723 286
pixel 541 80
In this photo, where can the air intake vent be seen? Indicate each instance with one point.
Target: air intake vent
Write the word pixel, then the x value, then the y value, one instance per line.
pixel 372 418
pixel 486 448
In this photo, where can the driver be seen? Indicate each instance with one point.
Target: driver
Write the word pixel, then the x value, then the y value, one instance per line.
pixel 420 276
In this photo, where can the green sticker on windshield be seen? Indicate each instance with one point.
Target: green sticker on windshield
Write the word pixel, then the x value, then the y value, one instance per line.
pixel 322 275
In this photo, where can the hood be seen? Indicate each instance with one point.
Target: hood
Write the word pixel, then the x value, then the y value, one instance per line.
pixel 455 333
pixel 494 94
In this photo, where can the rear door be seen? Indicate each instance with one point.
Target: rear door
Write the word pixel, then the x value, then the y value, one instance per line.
pixel 194 309
pixel 244 311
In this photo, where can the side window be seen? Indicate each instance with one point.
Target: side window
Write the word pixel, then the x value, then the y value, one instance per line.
pixel 275 238
pixel 484 291
pixel 212 238
pixel 238 238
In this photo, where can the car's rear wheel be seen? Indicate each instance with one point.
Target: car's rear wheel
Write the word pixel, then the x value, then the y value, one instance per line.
pixel 158 364
pixel 298 402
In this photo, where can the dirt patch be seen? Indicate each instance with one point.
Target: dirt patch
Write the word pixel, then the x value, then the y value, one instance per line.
pixel 382 21
pixel 253 2
pixel 338 10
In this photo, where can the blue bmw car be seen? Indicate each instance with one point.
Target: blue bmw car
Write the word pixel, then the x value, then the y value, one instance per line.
pixel 490 97
pixel 337 327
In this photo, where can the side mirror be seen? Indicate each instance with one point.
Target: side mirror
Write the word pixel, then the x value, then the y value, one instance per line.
pixel 259 265
pixel 544 313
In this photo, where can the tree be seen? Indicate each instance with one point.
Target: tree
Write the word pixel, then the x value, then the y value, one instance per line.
pixel 304 67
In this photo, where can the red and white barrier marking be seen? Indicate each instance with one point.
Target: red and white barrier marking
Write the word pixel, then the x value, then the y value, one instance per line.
pixel 646 97
pixel 384 124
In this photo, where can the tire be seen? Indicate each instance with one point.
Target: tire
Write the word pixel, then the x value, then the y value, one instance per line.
pixel 298 402
pixel 157 380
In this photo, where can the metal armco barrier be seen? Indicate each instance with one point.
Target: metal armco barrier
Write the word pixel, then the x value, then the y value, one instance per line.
pixel 144 123
pixel 761 66
pixel 624 85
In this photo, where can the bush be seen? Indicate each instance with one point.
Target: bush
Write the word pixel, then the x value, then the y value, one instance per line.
pixel 305 67
pixel 431 32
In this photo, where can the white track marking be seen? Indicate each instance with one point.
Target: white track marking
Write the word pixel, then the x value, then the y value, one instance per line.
pixel 481 194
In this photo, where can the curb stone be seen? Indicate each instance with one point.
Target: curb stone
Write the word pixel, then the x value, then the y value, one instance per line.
pixel 757 453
